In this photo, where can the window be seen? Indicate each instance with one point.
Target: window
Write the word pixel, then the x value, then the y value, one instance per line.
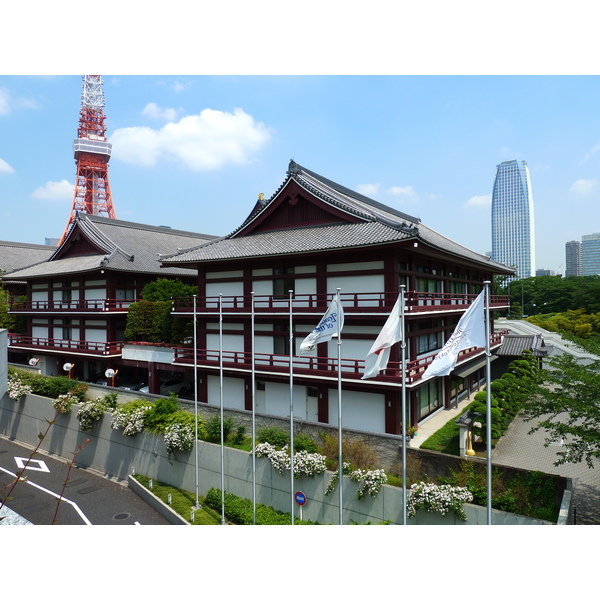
pixel 283 284
pixel 429 342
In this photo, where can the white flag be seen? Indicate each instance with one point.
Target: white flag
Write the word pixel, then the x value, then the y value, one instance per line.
pixel 378 356
pixel 326 329
pixel 469 333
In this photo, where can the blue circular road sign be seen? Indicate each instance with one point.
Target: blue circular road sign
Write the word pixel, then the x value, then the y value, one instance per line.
pixel 300 498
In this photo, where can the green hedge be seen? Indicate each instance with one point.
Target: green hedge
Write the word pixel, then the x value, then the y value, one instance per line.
pixel 240 510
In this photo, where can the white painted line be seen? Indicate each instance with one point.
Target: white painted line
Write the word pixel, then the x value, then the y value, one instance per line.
pixel 63 499
pixel 41 465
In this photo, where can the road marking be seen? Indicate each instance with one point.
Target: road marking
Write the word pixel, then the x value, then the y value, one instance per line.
pixel 63 499
pixel 41 465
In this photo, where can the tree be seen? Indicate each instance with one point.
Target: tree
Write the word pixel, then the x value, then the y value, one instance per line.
pixel 164 289
pixel 567 404
pixel 150 319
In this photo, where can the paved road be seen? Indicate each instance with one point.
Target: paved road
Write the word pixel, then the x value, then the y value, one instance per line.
pixel 88 498
pixel 517 448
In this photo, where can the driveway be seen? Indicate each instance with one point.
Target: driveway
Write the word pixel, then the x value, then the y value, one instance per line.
pixel 518 448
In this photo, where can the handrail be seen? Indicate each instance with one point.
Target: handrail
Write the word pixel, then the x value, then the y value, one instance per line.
pixel 17 339
pixel 377 302
pixel 89 305
pixel 315 365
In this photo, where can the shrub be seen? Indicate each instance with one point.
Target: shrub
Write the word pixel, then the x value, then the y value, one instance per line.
pixel 17 389
pixel 354 451
pixel 89 412
pixel 241 511
pixel 213 428
pixel 131 417
pixel 50 387
pixel 180 432
pixel 161 413
pixel 303 442
pixel 240 435
pixel 64 402
pixel 278 438
pixel 111 400
pixel 440 498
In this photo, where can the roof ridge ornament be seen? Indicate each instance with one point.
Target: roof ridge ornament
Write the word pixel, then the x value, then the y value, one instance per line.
pixel 294 168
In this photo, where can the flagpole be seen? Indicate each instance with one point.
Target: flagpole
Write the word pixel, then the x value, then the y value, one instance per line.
pixel 340 459
pixel 196 399
pixel 221 406
pixel 291 409
pixel 404 417
pixel 253 421
pixel 488 385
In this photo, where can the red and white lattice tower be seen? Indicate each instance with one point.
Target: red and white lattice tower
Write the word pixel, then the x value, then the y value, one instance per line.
pixel 92 153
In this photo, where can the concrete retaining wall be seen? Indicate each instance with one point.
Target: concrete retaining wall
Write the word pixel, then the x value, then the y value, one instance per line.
pixel 115 455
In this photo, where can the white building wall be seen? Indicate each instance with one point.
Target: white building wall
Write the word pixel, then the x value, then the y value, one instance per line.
pixel 233 392
pixel 360 410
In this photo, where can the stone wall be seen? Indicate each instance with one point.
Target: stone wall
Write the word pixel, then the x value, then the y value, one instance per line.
pixel 111 453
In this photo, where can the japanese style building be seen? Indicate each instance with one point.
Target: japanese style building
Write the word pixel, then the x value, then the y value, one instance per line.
pixel 79 296
pixel 282 267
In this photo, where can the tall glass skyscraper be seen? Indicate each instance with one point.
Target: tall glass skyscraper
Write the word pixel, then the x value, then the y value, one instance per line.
pixel 590 254
pixel 513 239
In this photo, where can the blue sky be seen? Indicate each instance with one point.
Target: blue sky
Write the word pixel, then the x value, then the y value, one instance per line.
pixel 194 152
pixel 413 105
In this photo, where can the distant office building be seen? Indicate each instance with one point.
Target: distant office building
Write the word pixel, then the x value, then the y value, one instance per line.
pixel 590 254
pixel 573 259
pixel 542 272
pixel 513 239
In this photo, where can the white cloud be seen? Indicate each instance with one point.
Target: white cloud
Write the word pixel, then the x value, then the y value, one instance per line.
pixel 154 111
pixel 202 142
pixel 7 103
pixel 588 154
pixel 584 186
pixel 405 194
pixel 484 200
pixel 4 104
pixel 368 189
pixel 55 190
pixel 5 167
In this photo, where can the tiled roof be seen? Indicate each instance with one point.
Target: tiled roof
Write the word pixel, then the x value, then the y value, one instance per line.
pixel 125 246
pixel 515 345
pixel 14 256
pixel 380 224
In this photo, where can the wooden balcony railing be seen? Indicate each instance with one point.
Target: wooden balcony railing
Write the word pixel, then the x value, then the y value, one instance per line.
pixel 363 303
pixel 76 346
pixel 72 306
pixel 315 366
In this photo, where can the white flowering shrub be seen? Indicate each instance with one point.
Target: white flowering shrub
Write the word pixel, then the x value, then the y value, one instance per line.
pixel 64 402
pixel 308 463
pixel 280 459
pixel 372 481
pixel 89 412
pixel 131 417
pixel 17 389
pixel 439 498
pixel 179 436
pixel 305 463
pixel 336 476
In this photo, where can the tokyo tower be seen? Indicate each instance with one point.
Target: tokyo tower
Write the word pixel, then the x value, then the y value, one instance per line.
pixel 92 153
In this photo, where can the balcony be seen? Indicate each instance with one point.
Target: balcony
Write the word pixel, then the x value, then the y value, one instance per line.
pixel 39 344
pixel 312 366
pixel 364 303
pixel 102 305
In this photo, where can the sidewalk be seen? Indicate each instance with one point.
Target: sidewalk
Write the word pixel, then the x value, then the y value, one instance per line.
pixel 439 420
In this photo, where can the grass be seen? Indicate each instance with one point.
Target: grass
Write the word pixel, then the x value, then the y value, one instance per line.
pixel 182 502
pixel 446 439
